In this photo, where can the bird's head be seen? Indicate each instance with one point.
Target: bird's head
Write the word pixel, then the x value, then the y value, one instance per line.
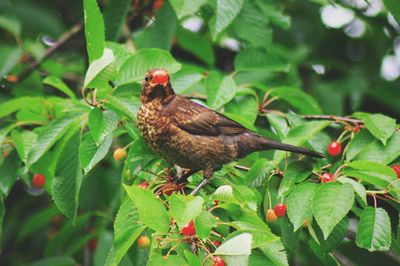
pixel 156 86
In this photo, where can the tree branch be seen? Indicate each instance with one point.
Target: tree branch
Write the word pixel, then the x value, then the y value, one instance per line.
pixel 333 118
pixel 77 28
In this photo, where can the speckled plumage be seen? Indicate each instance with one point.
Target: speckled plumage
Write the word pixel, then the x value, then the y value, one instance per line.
pixel 193 136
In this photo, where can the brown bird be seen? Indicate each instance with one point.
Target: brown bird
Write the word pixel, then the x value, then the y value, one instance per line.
pixel 193 136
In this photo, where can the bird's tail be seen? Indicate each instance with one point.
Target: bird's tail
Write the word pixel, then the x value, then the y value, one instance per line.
pixel 271 144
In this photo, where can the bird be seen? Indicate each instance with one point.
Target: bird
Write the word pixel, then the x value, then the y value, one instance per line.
pixel 193 136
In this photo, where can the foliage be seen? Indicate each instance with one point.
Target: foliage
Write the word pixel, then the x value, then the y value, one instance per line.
pixel 273 66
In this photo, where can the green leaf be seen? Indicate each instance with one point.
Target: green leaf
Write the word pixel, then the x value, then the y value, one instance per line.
pixel 239 245
pixel 225 12
pixel 218 96
pixel 172 260
pixel 186 78
pixel 328 208
pixel 8 174
pixel 159 34
pixel 98 65
pixel 302 102
pixel 54 261
pixel 236 250
pixel 204 223
pixel 358 143
pixel 393 7
pixel 192 259
pixel 324 258
pixel 60 85
pixel 374 150
pixel 68 178
pixel 374 173
pixel 257 59
pixel 151 211
pixel 101 124
pixel 94 29
pixel 50 134
pixel 184 208
pixel 126 231
pixel 139 156
pixel 70 231
pixel 358 188
pixel 196 45
pixel 298 203
pixel 245 106
pixel 251 25
pixel 365 147
pixel 16 104
pixel 121 53
pixel 258 172
pixel 374 231
pixel 10 24
pixel 275 251
pixel 123 106
pixel 295 172
pixel 279 123
pixel 289 237
pixel 143 60
pixel 38 220
pixel 183 8
pixel 115 17
pixel 263 238
pixel 335 238
pixel 90 154
pixel 10 61
pixel 23 142
pixel 300 135
pixel 381 126
pixel 274 14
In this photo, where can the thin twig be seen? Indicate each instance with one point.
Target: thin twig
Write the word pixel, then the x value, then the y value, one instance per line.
pixel 77 28
pixel 241 167
pixel 333 118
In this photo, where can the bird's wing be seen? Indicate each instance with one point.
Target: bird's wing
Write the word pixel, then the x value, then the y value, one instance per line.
pixel 200 120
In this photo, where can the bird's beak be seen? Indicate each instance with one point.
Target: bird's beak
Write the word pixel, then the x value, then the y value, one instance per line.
pixel 154 84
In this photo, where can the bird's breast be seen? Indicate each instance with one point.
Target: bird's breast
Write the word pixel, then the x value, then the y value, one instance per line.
pixel 152 125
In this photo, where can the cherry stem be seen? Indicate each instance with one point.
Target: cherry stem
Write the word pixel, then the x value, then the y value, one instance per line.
pixel 377 191
pixel 375 203
pixel 269 199
pixel 339 169
pixel 341 136
pixel 127 146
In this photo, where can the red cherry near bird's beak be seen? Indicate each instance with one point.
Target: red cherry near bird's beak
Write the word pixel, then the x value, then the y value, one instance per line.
pixel 160 77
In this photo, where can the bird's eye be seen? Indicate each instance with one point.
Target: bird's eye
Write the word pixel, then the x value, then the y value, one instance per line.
pixel 146 78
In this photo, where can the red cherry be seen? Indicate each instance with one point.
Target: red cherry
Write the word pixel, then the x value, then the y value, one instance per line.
pixel 188 230
pixel 38 181
pixel 396 168
pixel 92 244
pixel 119 154
pixel 160 76
pixel 144 185
pixel 216 243
pixel 327 177
pixel 218 261
pixel 334 148
pixel 158 4
pixel 143 242
pixel 271 216
pixel 280 209
pixel 216 202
